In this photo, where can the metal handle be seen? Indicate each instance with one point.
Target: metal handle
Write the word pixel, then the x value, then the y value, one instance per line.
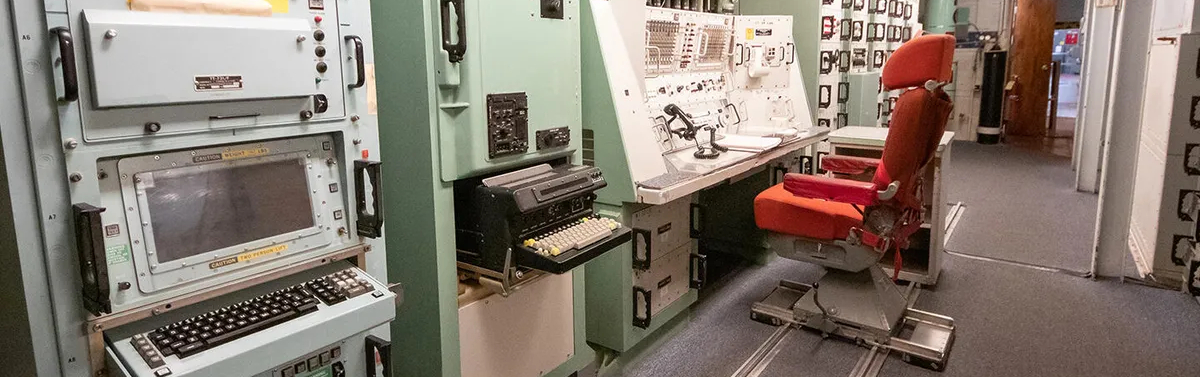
pixel 360 62
pixel 828 60
pixel 642 322
pixel 697 219
pixel 698 271
pixel 828 27
pixel 373 344
pixel 793 59
pixel 93 266
pixel 370 225
pixel 806 164
pixel 777 174
pixel 456 50
pixel 741 54
pixel 641 263
pixel 66 50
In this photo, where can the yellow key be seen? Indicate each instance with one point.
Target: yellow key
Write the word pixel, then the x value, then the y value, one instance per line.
pixel 555 251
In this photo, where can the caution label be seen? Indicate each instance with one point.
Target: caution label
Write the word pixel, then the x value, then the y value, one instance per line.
pixel 244 153
pixel 244 257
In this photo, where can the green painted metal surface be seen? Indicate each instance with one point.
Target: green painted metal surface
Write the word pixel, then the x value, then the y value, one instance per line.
pixel 864 98
pixel 510 48
pixel 939 16
pixel 431 133
pixel 419 204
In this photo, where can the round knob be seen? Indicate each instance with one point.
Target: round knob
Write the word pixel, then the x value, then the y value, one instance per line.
pixel 320 51
pixel 319 35
pixel 322 67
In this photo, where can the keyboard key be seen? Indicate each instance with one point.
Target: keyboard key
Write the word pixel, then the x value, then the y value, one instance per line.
pixel 190 349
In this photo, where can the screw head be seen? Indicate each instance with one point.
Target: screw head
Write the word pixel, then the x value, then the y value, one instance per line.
pixel 354 118
pixel 301 38
pixel 71 143
pixel 153 127
pixel 75 177
pixel 306 114
pixel 110 34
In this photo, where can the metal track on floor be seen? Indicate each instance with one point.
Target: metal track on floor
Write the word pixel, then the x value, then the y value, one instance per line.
pixel 869 364
pixel 762 357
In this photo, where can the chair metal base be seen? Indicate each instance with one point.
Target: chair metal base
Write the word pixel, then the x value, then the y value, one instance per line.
pixel 854 309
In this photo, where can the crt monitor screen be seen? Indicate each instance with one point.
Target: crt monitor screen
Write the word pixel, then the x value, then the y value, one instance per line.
pixel 195 211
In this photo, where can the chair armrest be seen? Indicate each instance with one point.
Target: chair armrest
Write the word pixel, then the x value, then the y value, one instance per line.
pixel 834 189
pixel 848 165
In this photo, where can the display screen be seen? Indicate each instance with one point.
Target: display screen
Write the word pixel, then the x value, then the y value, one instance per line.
pixel 196 210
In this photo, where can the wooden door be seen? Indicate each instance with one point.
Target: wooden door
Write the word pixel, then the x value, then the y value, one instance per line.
pixel 1033 37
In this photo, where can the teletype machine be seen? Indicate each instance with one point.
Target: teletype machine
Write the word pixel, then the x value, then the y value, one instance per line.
pixel 489 125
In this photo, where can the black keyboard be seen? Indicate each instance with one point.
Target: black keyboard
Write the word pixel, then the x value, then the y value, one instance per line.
pixel 193 335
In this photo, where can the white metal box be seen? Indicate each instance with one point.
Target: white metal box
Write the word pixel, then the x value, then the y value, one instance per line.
pixel 1174 17
pixel 147 58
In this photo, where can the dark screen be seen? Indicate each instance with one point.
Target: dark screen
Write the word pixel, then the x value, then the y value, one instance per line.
pixel 197 212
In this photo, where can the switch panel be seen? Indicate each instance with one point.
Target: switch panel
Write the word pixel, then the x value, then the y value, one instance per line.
pixel 553 138
pixel 507 124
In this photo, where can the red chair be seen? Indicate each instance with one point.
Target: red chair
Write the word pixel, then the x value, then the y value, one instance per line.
pixel 847 225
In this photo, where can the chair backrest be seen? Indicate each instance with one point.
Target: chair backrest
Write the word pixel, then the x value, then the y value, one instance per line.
pixel 921 112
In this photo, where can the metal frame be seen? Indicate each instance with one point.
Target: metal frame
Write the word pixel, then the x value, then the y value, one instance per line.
pixel 927 345
pixel 95 327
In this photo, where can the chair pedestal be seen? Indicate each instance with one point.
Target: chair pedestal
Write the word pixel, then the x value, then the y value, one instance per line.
pixel 866 306
pixel 863 305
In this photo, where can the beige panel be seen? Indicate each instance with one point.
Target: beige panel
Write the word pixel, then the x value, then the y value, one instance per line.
pixel 668 225
pixel 527 334
pixel 667 279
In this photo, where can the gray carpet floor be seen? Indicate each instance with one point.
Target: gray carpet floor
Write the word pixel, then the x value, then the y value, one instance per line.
pixel 1021 206
pixel 1012 320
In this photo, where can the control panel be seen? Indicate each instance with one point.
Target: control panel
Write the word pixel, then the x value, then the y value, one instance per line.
pixel 196 154
pixel 198 69
pixel 507 124
pixel 553 138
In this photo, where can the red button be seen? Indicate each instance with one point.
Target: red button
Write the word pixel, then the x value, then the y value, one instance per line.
pixel 366 154
pixel 317 19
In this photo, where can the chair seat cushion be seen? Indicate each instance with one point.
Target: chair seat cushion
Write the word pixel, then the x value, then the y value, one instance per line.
pixel 777 210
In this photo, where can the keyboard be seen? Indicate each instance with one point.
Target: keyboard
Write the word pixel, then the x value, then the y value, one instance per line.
pixel 667 180
pixel 577 235
pixel 193 335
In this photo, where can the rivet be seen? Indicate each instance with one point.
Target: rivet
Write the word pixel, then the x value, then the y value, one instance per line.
pixel 110 34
